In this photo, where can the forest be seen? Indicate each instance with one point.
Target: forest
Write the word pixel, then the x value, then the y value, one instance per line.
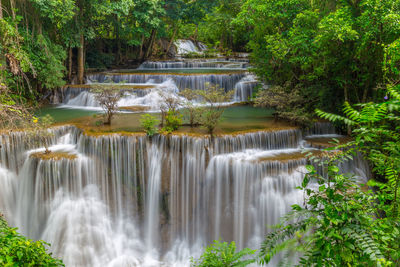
pixel 199 133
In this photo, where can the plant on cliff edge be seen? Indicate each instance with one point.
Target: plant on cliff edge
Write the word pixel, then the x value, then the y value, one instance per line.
pixel 172 121
pixel 222 254
pixel 149 123
pixel 16 250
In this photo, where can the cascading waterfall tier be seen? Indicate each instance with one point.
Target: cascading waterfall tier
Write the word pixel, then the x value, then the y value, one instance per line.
pixel 182 81
pixel 127 200
pixel 193 64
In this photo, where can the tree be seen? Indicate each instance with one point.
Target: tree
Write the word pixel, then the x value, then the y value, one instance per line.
pixel 222 254
pixel 168 102
pixel 108 96
pixel 214 98
pixel 325 50
pixel 192 109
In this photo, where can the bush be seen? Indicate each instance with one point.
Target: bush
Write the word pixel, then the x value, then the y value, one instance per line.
pixel 16 250
pixel 149 123
pixel 172 121
pixel 222 254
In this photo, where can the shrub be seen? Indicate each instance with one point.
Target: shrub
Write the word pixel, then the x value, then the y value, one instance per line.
pixel 222 254
pixel 149 123
pixel 172 121
pixel 17 250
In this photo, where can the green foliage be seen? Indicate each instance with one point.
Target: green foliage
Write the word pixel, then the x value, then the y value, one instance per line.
pixel 16 250
pixel 47 60
pixel 39 132
pixel 172 121
pixel 376 131
pixel 149 123
pixel 337 226
pixel 222 254
pixel 218 29
pixel 288 103
pixel 327 51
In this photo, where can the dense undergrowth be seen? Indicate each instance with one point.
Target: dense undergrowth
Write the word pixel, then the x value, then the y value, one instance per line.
pixel 16 250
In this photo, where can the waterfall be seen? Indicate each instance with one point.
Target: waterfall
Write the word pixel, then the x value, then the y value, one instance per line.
pixel 128 200
pixel 188 46
pixel 152 208
pixel 244 88
pixel 182 81
pixel 192 64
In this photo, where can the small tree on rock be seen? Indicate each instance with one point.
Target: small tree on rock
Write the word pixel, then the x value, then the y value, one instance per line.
pixel 169 103
pixel 215 98
pixel 192 109
pixel 108 96
pixel 40 132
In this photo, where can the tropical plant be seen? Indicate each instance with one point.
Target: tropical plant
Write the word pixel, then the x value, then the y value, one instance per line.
pixel 17 250
pixel 222 254
pixel 337 225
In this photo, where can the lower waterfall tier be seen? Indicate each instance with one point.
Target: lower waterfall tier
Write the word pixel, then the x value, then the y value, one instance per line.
pixel 118 200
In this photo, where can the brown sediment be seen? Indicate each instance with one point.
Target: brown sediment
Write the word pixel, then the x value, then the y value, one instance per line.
pixel 286 157
pixel 53 156
pixel 103 133
pixel 135 108
pixel 175 73
pixel 326 142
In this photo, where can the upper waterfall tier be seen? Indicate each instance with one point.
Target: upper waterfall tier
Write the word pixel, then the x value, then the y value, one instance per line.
pixel 194 81
pixel 189 46
pixel 192 64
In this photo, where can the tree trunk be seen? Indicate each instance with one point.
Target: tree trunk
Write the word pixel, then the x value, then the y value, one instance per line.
pixel 70 64
pixel 81 61
pixel 1 10
pixel 171 41
pixel 141 48
pixel 118 39
pixel 150 47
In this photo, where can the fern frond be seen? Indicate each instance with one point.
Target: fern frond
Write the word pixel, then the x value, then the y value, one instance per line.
pixel 274 242
pixel 364 242
pixel 334 118
pixel 351 113
pixel 394 92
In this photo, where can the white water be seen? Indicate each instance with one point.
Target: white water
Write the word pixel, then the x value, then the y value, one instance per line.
pixel 244 88
pixel 154 97
pixel 131 201
pixel 188 46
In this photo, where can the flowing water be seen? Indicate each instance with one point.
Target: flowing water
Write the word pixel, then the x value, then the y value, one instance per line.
pixel 127 200
pixel 145 86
